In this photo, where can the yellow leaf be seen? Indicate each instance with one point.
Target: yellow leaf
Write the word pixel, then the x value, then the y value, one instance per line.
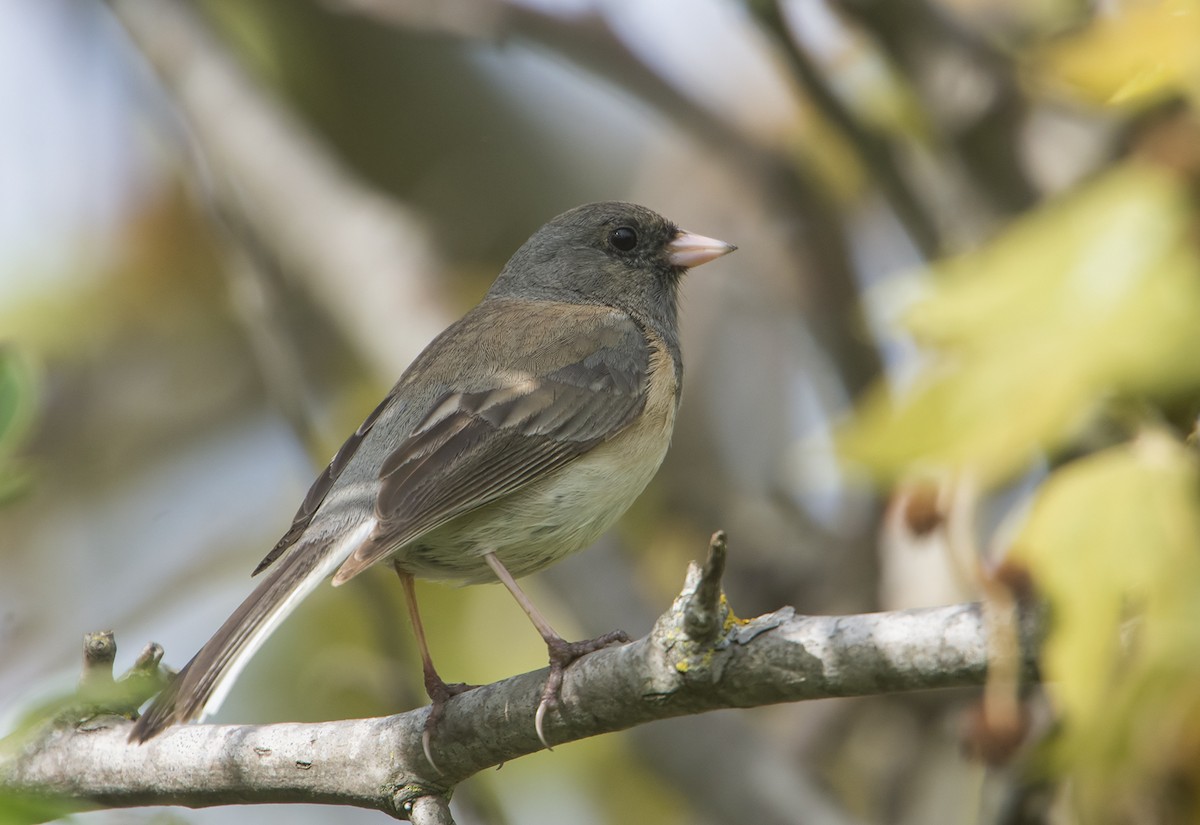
pixel 1089 298
pixel 1138 55
pixel 1113 537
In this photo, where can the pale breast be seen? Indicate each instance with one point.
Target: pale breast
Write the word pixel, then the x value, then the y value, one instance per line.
pixel 566 511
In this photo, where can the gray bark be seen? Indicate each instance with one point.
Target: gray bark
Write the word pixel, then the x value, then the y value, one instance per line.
pixel 681 668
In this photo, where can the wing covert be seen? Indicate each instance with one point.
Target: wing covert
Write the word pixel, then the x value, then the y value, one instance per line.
pixel 474 447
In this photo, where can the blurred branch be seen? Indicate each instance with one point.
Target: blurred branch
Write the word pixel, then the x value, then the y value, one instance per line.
pixel 585 39
pixel 361 255
pixel 982 129
pixel 379 763
pixel 872 148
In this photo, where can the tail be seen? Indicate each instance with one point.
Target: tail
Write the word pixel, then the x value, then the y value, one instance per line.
pixel 200 687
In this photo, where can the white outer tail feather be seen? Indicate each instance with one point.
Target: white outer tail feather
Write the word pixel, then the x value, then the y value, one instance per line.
pixel 338 553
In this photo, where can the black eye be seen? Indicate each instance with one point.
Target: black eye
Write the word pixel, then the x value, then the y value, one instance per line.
pixel 623 238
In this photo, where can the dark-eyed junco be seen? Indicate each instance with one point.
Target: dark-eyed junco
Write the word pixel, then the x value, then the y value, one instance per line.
pixel 517 437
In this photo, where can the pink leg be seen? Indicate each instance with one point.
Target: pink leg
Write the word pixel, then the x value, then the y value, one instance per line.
pixel 437 688
pixel 562 653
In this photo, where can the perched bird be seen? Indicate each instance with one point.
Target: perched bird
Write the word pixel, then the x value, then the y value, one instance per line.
pixel 515 438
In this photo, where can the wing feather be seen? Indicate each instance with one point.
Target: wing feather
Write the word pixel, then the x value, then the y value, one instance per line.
pixel 476 447
pixel 321 487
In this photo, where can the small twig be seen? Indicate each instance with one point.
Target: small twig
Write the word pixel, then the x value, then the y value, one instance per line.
pixel 99 653
pixel 99 696
pixel 702 615
pixel 100 693
pixel 146 678
pixel 430 810
pixel 148 659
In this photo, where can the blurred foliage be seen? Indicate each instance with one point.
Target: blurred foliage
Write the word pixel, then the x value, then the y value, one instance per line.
pixel 19 809
pixel 1083 318
pixel 1112 541
pixel 1139 55
pixel 18 405
pixel 1067 340
pixel 97 696
pixel 1077 304
pixel 104 698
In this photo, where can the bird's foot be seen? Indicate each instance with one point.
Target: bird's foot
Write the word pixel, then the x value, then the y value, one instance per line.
pixel 440 693
pixel 562 654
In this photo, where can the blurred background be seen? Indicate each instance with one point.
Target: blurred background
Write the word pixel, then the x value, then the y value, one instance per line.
pixel 227 226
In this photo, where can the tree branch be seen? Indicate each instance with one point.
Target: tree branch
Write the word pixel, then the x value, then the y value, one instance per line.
pixel 681 668
pixel 360 253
